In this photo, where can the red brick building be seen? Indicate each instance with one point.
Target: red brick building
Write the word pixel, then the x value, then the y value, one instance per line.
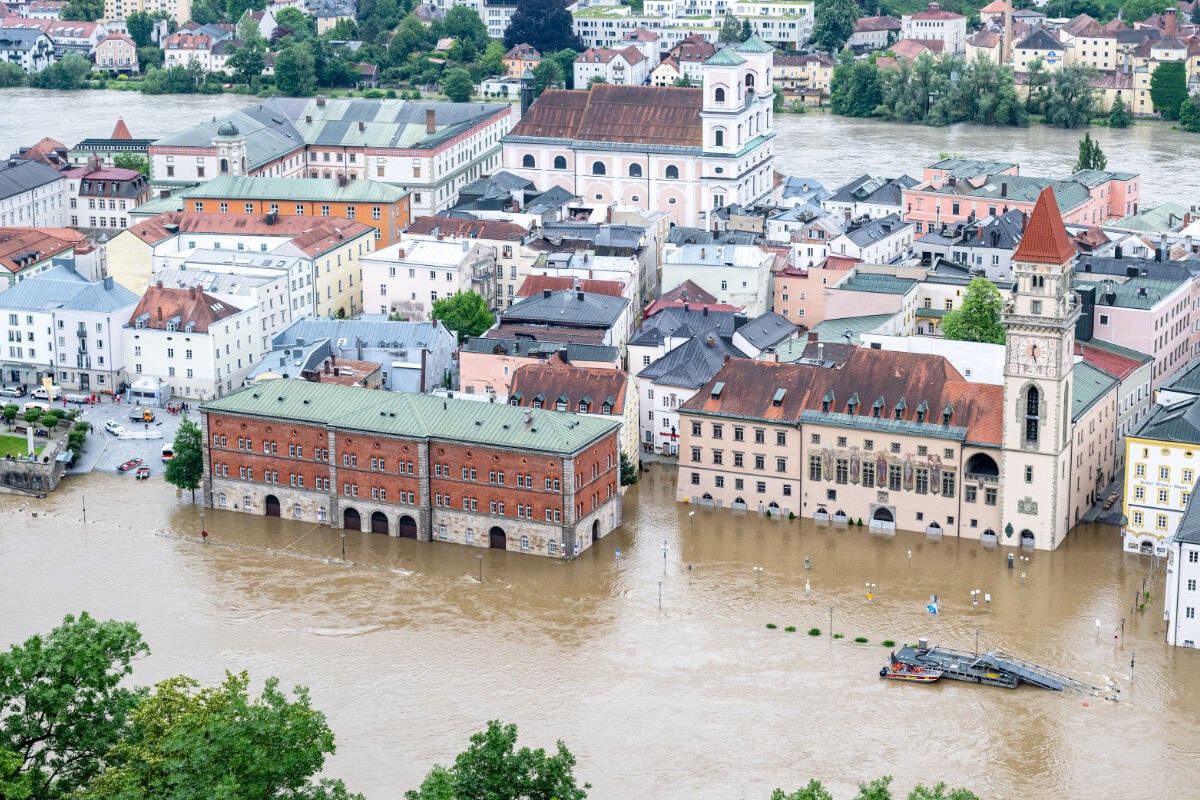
pixel 416 466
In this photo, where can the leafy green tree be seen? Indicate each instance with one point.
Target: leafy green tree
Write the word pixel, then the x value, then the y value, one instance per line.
pixel 592 81
pixel 32 415
pixel 247 31
pixel 50 422
pixel 1138 10
pixel 185 470
pixel 492 60
pixel 1119 116
pixel 1072 100
pixel 234 9
pixel 10 413
pixel 731 30
pixel 566 62
pixel 878 789
pixel 682 82
pixel 140 25
pixel 747 30
pixel 834 24
pixel 1090 154
pixel 464 24
pixel 466 313
pixel 68 73
pixel 62 706
pixel 1037 82
pixel 206 12
pixel 855 89
pixel 1168 88
pixel 457 85
pixel 547 75
pixel 185 741
pixel 13 786
pixel 629 471
pixel 544 24
pixel 493 769
pixel 11 75
pixel 939 792
pixel 246 64
pixel 149 58
pixel 411 37
pixel 978 318
pixel 132 161
pixel 295 71
pixel 83 10
pixel 1195 13
pixel 813 791
pixel 1189 114
pixel 296 22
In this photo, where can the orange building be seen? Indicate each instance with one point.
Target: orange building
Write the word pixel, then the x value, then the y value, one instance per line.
pixel 385 208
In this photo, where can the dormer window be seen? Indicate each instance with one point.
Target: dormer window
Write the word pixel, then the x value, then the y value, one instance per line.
pixel 171 326
pixel 877 409
pixel 606 409
pixel 583 408
pixel 777 400
pixel 899 410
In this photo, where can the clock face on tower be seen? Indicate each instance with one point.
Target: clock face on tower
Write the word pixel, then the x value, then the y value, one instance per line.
pixel 1035 356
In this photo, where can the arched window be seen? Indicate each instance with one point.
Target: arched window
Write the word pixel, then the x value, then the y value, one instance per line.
pixel 560 162
pixel 224 165
pixel 598 168
pixel 719 96
pixel 750 81
pixel 1032 403
pixel 635 170
pixel 719 137
pixel 527 161
pixel 672 172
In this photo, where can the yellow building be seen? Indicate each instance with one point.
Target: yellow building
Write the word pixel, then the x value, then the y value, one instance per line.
pixel 1161 461
pixel 807 76
pixel 115 11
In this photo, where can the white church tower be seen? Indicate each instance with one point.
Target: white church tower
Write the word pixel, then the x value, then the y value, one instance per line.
pixel 1040 353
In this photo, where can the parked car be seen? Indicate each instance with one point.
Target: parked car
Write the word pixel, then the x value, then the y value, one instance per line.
pixel 41 405
pixel 11 391
pixel 114 427
pixel 168 452
pixel 40 393
pixel 130 464
pixel 142 473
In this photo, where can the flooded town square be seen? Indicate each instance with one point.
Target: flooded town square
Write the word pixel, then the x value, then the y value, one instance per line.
pixel 408 652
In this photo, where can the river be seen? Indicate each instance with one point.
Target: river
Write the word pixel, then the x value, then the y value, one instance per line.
pixel 408 653
pixel 829 148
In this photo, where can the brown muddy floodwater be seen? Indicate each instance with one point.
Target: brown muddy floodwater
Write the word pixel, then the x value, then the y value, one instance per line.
pixel 408 653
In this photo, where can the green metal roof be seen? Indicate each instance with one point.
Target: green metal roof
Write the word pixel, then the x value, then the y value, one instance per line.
pixel 415 416
pixel 159 205
pixel 725 57
pixel 834 330
pixel 1090 385
pixel 1129 293
pixel 1186 380
pixel 302 189
pixel 754 45
pixel 932 313
pixel 1179 422
pixel 877 284
pixel 1167 217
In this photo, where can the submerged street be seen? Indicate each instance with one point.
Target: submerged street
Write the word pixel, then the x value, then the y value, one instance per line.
pixel 408 653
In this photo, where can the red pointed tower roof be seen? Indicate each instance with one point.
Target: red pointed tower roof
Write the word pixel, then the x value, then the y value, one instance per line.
pixel 1045 240
pixel 120 131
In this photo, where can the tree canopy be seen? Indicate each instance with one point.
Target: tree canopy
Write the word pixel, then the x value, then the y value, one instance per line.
pixel 83 10
pixel 878 789
pixel 731 30
pixel 544 24
pixel 295 71
pixel 140 25
pixel 834 24
pixel 186 468
pixel 978 318
pixel 492 768
pixel 1168 88
pixel 1090 154
pixel 1189 113
pixel 457 85
pixel 1071 102
pixel 11 75
pixel 1119 116
pixel 466 313
pixel 132 161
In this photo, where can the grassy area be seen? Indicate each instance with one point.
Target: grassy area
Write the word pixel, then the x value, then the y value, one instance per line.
pixel 15 446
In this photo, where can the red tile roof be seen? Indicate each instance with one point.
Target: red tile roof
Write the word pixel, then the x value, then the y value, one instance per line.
pixel 22 247
pixel 536 284
pixel 840 262
pixel 470 228
pixel 689 292
pixel 892 375
pixel 593 385
pixel 655 115
pixel 164 226
pixel 995 7
pixel 103 174
pixel 873 24
pixel 935 12
pixel 1119 366
pixel 1045 240
pixel 182 306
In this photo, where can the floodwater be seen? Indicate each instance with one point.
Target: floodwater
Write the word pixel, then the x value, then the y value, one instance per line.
pixel 408 653
pixel 829 148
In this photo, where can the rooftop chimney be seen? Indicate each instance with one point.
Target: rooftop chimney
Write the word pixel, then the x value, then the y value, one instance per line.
pixel 158 284
pixel 711 342
pixel 706 311
pixel 812 336
pixel 342 179
pixel 160 313
pixel 820 351
pixel 362 126
pixel 1004 188
pixel 1170 22
pixel 545 294
pixel 327 369
pixel 430 121
pixel 321 100
pixel 579 296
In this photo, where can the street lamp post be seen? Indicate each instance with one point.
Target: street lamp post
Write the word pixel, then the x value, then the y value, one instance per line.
pixel 870 592
pixel 691 520
pixel 831 622
pixel 343 548
pixel 664 555
pixel 480 568
pixel 758 574
pixel 1024 566
pixel 203 529
pixel 660 595
pixel 975 593
pixel 977 641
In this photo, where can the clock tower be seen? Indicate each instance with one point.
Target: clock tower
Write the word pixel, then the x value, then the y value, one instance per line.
pixel 1039 321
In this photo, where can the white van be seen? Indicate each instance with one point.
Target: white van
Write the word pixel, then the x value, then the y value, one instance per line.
pixel 40 393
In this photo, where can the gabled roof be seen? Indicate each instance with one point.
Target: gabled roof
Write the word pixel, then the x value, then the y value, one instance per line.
pixel 767 331
pixel 1039 40
pixel 595 386
pixel 1045 240
pixel 754 45
pixel 935 12
pixel 693 363
pixel 372 333
pixel 310 189
pixel 654 115
pixel 1119 362
pixel 1080 25
pixel 1089 385
pixel 526 347
pixel 1178 422
pixel 21 248
pixel 538 284
pixel 689 292
pixel 570 308
pixel 452 227
pixel 161 306
pixel 685 320
pixel 415 415
pixel 873 24
pixel 916 378
pixel 305 230
pixel 23 176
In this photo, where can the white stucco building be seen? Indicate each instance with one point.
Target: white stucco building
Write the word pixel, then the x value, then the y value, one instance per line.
pixel 736 274
pixel 936 25
pixel 1183 572
pixel 409 277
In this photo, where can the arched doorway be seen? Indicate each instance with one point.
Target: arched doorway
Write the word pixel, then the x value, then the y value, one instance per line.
pixel 379 523
pixel 1027 538
pixel 595 530
pixel 272 504
pixel 408 527
pixel 497 539
pixel 883 520
pixel 351 521
pixel 933 529
pixel 1146 547
pixel 982 465
pixel 883 515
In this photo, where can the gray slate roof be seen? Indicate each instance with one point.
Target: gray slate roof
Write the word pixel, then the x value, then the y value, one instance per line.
pixel 1186 380
pixel 567 307
pixel 692 364
pixel 1188 531
pixel 866 189
pixel 532 348
pixel 767 331
pixel 876 230
pixel 19 176
pixel 1179 422
pixel 372 332
pixel 61 287
pixel 677 322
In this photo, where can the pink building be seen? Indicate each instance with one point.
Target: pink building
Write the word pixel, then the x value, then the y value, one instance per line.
pixel 800 293
pixel 487 366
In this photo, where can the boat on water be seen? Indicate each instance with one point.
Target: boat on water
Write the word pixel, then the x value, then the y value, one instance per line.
pixel 899 671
